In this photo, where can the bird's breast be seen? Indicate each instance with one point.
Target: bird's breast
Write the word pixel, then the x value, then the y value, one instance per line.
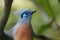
pixel 23 32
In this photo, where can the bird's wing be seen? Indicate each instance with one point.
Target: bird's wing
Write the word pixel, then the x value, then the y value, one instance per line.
pixel 11 33
pixel 12 30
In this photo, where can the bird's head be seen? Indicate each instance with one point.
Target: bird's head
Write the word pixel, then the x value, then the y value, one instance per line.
pixel 24 13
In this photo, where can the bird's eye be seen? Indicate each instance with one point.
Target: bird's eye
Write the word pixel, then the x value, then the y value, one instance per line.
pixel 25 14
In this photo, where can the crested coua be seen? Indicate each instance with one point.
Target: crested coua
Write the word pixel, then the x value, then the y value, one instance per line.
pixel 23 29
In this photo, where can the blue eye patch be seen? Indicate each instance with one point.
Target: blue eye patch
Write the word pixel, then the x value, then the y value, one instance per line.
pixel 25 14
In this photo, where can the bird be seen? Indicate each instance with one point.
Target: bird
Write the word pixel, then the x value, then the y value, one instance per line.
pixel 23 30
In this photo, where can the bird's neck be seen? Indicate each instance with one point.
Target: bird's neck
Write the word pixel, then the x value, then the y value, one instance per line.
pixel 24 20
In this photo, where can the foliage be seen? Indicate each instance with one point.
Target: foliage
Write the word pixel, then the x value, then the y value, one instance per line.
pixel 47 12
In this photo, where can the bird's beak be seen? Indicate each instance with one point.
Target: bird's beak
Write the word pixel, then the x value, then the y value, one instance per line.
pixel 33 11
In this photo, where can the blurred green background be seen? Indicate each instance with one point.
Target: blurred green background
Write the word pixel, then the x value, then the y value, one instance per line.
pixel 40 20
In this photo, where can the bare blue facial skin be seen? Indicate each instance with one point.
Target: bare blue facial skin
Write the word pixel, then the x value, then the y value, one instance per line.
pixel 27 13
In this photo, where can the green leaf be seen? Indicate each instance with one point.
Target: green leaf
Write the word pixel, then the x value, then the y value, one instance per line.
pixel 44 5
pixel 54 6
pixel 45 27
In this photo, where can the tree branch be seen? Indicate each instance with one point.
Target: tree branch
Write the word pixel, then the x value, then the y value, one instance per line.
pixel 8 4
